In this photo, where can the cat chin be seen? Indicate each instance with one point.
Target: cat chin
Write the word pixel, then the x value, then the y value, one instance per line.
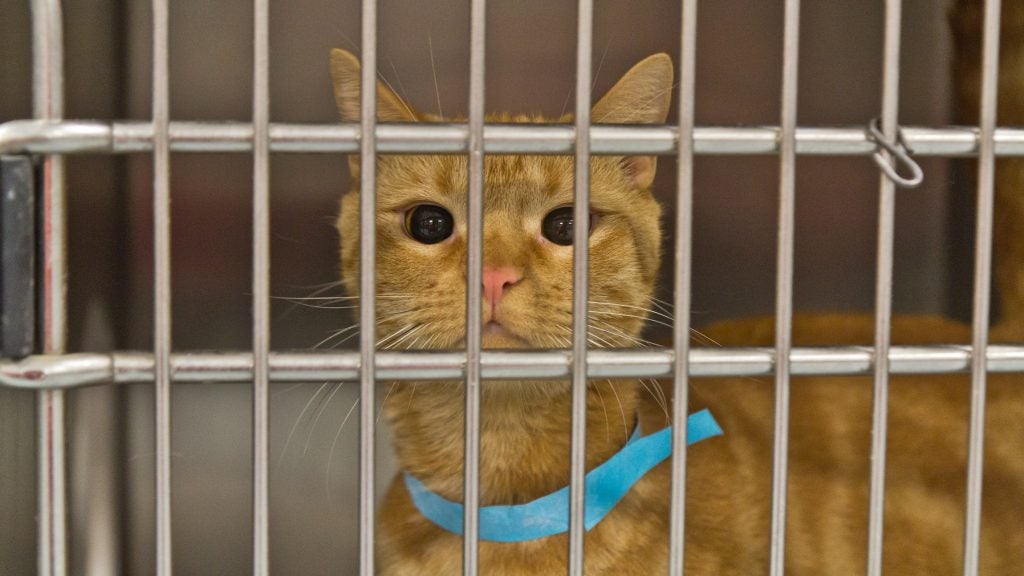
pixel 504 341
pixel 498 336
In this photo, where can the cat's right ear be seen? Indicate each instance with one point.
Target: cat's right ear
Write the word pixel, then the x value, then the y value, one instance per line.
pixel 346 76
pixel 642 96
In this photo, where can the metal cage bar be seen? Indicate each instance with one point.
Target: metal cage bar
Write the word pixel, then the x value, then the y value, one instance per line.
pixel 474 281
pixel 126 137
pixel 162 285
pixel 982 283
pixel 367 288
pixel 261 289
pixel 88 369
pixel 48 105
pixel 784 282
pixel 683 282
pixel 580 286
pixel 883 289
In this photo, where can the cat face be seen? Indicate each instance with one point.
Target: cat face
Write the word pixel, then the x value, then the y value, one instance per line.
pixel 527 294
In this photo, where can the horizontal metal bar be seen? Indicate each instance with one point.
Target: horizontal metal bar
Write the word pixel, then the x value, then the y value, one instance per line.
pixel 81 137
pixel 74 370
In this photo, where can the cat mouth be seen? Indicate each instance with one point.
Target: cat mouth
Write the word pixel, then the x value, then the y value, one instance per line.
pixel 497 335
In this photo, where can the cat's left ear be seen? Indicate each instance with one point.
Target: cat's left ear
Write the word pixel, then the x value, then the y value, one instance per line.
pixel 346 74
pixel 642 96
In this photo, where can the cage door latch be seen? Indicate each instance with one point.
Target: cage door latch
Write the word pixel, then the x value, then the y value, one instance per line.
pixel 900 151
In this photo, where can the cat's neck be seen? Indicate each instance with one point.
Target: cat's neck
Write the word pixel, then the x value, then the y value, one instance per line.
pixel 524 438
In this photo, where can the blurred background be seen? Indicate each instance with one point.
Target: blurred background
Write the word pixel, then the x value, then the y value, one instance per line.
pixel 530 68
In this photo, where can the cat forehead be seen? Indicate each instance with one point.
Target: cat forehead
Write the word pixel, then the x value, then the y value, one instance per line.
pixel 448 175
pixel 516 178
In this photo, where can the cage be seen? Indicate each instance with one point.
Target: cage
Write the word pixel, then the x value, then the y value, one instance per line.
pixel 226 109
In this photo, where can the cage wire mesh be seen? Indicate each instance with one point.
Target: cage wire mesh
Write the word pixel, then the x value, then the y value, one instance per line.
pixel 144 134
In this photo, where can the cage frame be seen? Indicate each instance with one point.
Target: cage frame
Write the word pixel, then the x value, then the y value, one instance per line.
pixel 53 371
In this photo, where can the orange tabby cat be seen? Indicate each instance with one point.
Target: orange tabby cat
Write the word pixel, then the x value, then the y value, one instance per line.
pixel 528 303
pixel 525 425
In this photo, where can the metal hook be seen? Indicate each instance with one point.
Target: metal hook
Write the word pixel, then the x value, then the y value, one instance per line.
pixel 900 151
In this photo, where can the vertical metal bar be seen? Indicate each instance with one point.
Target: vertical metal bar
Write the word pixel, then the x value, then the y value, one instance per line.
pixel 581 283
pixel 982 283
pixel 883 290
pixel 48 104
pixel 261 289
pixel 784 282
pixel 367 286
pixel 162 284
pixel 474 281
pixel 683 281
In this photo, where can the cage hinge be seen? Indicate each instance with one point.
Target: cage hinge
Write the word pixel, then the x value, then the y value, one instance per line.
pixel 18 244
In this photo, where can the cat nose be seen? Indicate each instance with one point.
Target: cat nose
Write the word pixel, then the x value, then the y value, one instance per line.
pixel 496 279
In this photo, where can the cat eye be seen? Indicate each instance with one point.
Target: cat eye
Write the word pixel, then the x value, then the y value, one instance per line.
pixel 429 224
pixel 557 226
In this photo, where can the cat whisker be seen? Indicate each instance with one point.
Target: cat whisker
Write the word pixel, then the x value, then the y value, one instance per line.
pixel 694 333
pixel 614 332
pixel 433 70
pixel 385 401
pixel 328 302
pixel 430 341
pixel 288 389
pixel 667 307
pixel 336 334
pixel 323 407
pixel 638 340
pixel 604 408
pixel 624 315
pixel 321 306
pixel 401 86
pixel 617 332
pixel 334 444
pixel 343 340
pixel 664 397
pixel 418 328
pixel 411 394
pixel 599 342
pixel 622 411
pixel 663 305
pixel 565 104
pixel 702 337
pixel 600 64
pixel 655 391
pixel 291 433
pixel 412 344
pixel 340 298
pixel 631 306
pixel 381 344
pixel 320 287
pixel 652 388
pixel 401 100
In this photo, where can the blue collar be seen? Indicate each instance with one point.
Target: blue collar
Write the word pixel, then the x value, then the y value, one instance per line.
pixel 548 515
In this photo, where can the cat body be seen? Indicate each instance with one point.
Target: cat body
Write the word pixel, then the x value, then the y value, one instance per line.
pixel 830 461
pixel 525 425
